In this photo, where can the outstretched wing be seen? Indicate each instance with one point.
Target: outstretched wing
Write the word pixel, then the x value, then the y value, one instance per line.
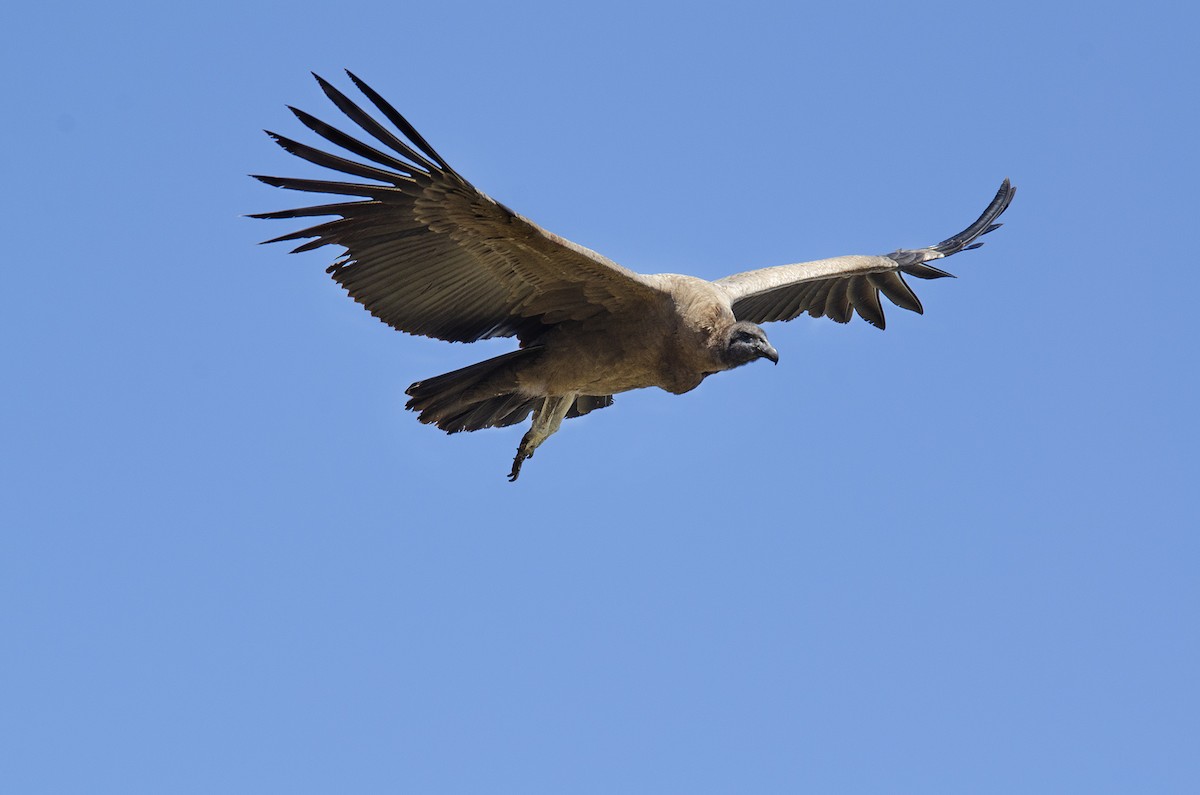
pixel 429 254
pixel 838 287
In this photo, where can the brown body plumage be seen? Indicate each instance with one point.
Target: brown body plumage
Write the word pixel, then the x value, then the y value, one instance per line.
pixel 429 254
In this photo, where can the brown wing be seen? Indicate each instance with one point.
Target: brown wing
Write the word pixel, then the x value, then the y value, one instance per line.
pixel 838 287
pixel 429 254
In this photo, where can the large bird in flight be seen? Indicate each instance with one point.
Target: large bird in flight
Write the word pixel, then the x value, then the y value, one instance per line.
pixel 427 253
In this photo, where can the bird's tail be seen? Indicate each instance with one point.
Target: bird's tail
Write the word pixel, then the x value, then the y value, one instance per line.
pixel 485 395
pixel 482 395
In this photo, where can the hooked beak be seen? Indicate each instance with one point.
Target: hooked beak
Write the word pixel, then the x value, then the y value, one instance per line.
pixel 767 351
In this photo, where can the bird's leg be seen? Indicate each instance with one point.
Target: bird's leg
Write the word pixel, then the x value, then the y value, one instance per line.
pixel 546 419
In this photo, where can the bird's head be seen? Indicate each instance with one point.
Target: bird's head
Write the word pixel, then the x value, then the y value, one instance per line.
pixel 745 342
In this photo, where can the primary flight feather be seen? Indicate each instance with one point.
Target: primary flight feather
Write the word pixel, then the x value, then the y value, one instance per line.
pixel 429 254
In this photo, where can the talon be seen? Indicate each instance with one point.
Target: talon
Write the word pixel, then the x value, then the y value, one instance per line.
pixel 516 467
pixel 546 420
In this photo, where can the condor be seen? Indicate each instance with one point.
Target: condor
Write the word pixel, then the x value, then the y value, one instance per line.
pixel 428 254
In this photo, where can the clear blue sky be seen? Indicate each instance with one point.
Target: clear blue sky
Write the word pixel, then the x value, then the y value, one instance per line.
pixel 957 556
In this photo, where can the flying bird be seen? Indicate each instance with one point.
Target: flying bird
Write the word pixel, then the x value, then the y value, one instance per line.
pixel 429 254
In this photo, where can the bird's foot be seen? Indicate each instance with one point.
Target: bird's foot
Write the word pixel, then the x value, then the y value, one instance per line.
pixel 546 420
pixel 522 453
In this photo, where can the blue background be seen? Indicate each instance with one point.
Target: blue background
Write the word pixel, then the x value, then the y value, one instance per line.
pixel 956 556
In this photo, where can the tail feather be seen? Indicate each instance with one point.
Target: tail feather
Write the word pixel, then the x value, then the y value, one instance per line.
pixel 497 412
pixel 485 395
pixel 478 396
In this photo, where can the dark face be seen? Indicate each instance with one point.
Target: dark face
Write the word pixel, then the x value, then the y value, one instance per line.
pixel 747 342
